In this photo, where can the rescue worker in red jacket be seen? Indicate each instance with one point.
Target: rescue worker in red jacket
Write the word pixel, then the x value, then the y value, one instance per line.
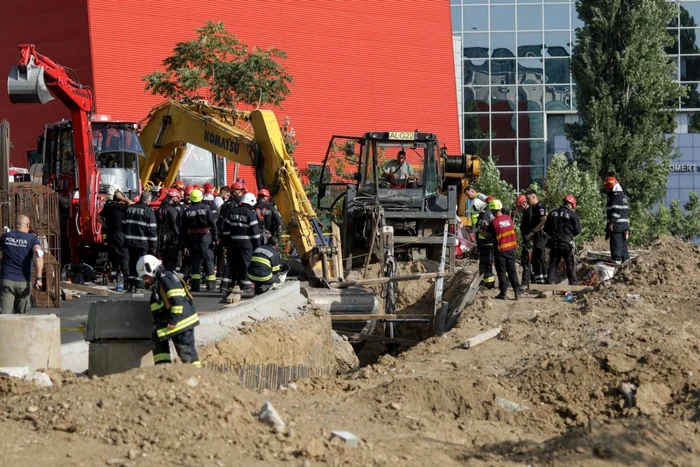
pixel 174 314
pixel 502 231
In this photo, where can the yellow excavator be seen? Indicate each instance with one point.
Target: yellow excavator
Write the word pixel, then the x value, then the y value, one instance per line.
pixel 249 138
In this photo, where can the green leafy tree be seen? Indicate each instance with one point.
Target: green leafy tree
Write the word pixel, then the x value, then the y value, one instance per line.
pixel 565 177
pixel 627 97
pixel 220 68
pixel 491 184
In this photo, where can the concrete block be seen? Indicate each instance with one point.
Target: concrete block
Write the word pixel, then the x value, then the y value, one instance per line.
pixel 117 356
pixel 119 319
pixel 33 341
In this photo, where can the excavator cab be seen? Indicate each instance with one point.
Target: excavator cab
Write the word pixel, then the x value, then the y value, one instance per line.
pixel 394 175
pixel 117 152
pixel 26 85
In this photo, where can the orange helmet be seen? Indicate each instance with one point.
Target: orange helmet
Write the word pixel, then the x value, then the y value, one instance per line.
pixel 571 200
pixel 173 193
pixel 178 184
pixel 188 190
pixel 264 192
pixel 209 189
pixel 520 201
pixel 610 182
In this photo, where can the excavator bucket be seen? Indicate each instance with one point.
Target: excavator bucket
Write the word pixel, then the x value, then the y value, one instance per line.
pixel 27 86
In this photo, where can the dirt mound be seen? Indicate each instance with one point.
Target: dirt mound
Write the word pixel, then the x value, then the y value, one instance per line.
pixel 306 340
pixel 667 274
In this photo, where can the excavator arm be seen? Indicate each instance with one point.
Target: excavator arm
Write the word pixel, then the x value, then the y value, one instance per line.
pixel 33 80
pixel 172 124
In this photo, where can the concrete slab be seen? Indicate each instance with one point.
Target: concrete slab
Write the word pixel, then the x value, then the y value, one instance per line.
pixel 31 341
pixel 110 357
pixel 123 319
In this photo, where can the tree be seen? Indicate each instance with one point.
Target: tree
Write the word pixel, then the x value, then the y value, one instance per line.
pixel 564 177
pixel 627 97
pixel 490 184
pixel 218 67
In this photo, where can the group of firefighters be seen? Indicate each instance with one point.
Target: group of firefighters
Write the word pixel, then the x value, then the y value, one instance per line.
pixel 540 230
pixel 229 233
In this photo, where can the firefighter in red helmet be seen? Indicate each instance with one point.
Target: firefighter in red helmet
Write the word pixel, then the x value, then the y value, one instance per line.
pixel 269 218
pixel 562 226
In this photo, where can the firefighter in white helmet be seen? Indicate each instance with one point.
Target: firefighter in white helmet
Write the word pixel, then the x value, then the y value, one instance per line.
pixel 174 313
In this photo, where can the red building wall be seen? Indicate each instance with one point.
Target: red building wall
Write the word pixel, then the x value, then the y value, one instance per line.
pixel 60 31
pixel 358 65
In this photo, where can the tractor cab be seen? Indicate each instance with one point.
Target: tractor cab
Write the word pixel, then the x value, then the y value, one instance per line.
pixel 397 173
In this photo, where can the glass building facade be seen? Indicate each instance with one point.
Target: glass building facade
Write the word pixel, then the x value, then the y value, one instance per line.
pixel 515 84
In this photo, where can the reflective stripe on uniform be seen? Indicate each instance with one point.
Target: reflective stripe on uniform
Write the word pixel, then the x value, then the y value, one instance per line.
pixel 156 306
pixel 244 237
pixel 260 260
pixel 136 237
pixel 507 245
pixel 177 309
pixel 504 234
pixel 196 277
pixel 141 223
pixel 263 251
pixel 197 364
pixel 489 279
pixel 615 206
pixel 175 293
pixel 210 278
pixel 259 278
pixel 622 220
pixel 179 327
pixel 275 268
pixel 161 358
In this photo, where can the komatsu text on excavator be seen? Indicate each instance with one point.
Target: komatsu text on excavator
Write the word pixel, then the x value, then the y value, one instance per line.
pixel 82 157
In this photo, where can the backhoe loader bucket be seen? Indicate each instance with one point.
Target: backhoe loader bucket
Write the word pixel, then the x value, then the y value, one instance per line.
pixel 27 86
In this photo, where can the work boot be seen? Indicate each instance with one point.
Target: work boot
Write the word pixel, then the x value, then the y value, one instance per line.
pixel 518 294
pixel 524 287
pixel 502 296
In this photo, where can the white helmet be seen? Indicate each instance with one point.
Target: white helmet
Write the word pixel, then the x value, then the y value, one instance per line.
pixel 478 205
pixel 249 199
pixel 112 190
pixel 148 265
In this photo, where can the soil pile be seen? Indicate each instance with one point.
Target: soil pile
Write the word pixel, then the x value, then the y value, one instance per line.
pixel 605 380
pixel 306 340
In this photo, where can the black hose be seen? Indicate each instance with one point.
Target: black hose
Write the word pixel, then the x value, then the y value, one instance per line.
pixel 456 164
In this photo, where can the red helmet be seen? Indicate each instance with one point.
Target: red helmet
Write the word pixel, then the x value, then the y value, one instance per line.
pixel 188 190
pixel 237 186
pixel 173 193
pixel 520 201
pixel 198 187
pixel 209 189
pixel 571 200
pixel 610 182
pixel 490 198
pixel 178 184
pixel 264 192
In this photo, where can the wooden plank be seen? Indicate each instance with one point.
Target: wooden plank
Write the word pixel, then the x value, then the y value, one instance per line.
pixel 380 317
pixel 561 288
pixel 480 338
pixel 102 292
pixel 384 280
pixel 386 340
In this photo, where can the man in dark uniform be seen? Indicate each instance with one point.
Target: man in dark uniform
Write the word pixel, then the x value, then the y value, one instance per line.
pixel 269 218
pixel 532 230
pixel 140 235
pixel 522 208
pixel 242 235
pixel 264 266
pixel 481 217
pixel 110 218
pixel 169 236
pixel 237 191
pixel 199 231
pixel 618 225
pixel 562 226
pixel 174 314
